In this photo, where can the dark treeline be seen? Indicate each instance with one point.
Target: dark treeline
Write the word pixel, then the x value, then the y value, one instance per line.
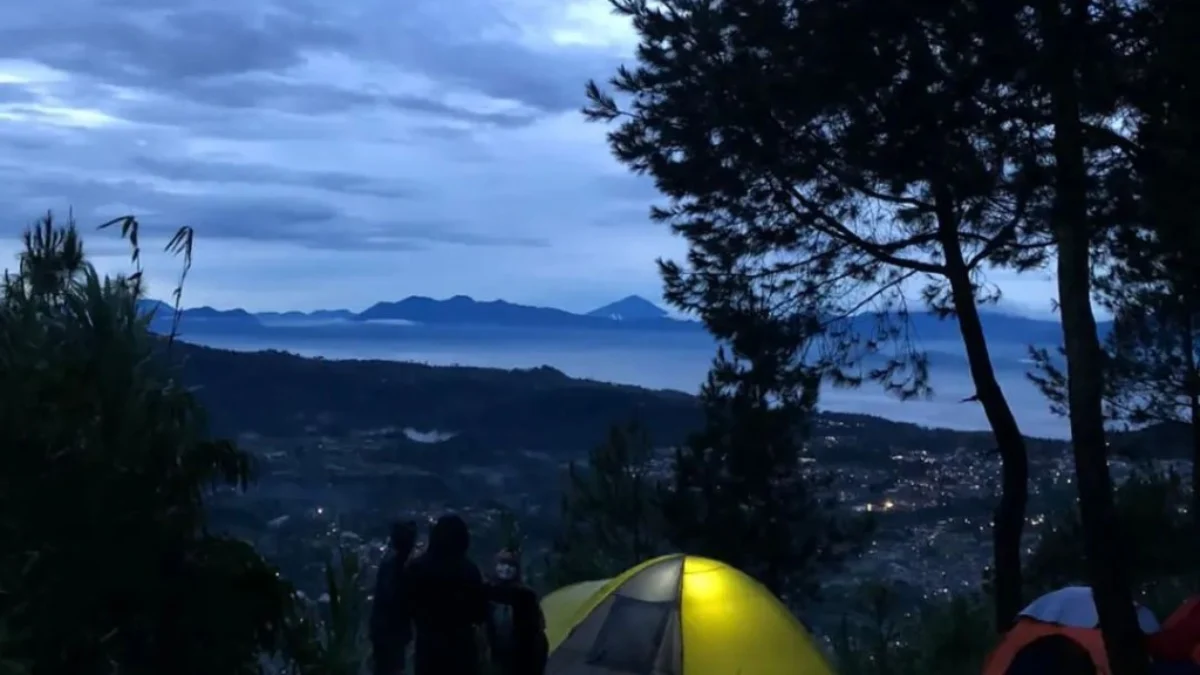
pixel 539 409
pixel 822 158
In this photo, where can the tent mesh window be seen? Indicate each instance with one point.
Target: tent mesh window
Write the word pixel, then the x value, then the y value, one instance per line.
pixel 631 636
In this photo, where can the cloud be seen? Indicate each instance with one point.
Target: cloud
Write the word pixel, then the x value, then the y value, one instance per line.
pixel 546 82
pixel 15 93
pixel 331 153
pixel 223 172
pixel 149 47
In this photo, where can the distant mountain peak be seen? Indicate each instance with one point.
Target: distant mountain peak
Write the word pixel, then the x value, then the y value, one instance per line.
pixel 630 308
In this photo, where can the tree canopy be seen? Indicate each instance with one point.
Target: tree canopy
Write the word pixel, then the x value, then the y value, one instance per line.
pixel 106 564
pixel 829 191
pixel 826 156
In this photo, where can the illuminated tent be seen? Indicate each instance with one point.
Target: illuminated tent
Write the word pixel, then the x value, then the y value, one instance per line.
pixel 676 615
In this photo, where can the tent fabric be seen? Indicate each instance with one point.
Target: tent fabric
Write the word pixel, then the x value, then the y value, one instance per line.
pixel 1005 658
pixel 564 604
pixel 1074 606
pixel 1179 639
pixel 1052 655
pixel 1186 614
pixel 1069 612
pixel 676 615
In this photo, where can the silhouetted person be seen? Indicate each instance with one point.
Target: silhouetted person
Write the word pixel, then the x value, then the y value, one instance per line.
pixel 391 625
pixel 448 601
pixel 516 626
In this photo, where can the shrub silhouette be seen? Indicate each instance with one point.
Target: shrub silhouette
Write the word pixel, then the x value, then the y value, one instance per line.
pixel 105 561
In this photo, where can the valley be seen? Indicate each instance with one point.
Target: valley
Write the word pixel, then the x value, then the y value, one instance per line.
pixel 342 447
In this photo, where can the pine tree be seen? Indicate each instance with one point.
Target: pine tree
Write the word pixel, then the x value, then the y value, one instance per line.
pixel 1121 216
pixel 1081 44
pixel 1151 283
pixel 851 150
pixel 610 516
pixel 741 491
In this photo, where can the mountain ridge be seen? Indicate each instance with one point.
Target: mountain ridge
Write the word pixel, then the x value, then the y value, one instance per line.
pixel 456 310
pixel 630 313
pixel 631 307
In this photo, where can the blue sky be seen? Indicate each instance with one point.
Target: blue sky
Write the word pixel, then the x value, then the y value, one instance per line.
pixel 331 154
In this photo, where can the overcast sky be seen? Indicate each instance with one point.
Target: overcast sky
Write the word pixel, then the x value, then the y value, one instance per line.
pixel 331 154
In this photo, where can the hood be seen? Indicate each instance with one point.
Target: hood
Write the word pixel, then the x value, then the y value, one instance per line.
pixel 449 537
pixel 403 538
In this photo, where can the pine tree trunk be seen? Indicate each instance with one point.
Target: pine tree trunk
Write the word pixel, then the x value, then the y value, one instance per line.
pixel 1102 537
pixel 1008 520
pixel 1123 639
pixel 1192 389
pixel 1195 420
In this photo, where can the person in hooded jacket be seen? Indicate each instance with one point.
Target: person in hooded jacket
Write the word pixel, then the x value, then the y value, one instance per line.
pixel 390 624
pixel 516 626
pixel 448 602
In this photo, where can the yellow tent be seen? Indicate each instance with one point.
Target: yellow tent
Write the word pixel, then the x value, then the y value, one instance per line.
pixel 676 615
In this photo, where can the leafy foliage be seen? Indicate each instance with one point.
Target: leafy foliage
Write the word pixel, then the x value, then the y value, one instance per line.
pixel 105 561
pixel 1152 510
pixel 949 635
pixel 329 637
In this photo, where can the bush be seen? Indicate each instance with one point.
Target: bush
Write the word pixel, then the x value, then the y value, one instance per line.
pixel 952 635
pixel 948 635
pixel 105 561
pixel 328 637
pixel 1152 512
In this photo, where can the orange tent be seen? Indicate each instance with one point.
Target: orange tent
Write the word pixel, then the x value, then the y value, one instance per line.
pixel 1179 639
pixel 1066 613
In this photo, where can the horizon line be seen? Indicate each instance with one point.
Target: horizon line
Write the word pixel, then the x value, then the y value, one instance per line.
pixel 1047 318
